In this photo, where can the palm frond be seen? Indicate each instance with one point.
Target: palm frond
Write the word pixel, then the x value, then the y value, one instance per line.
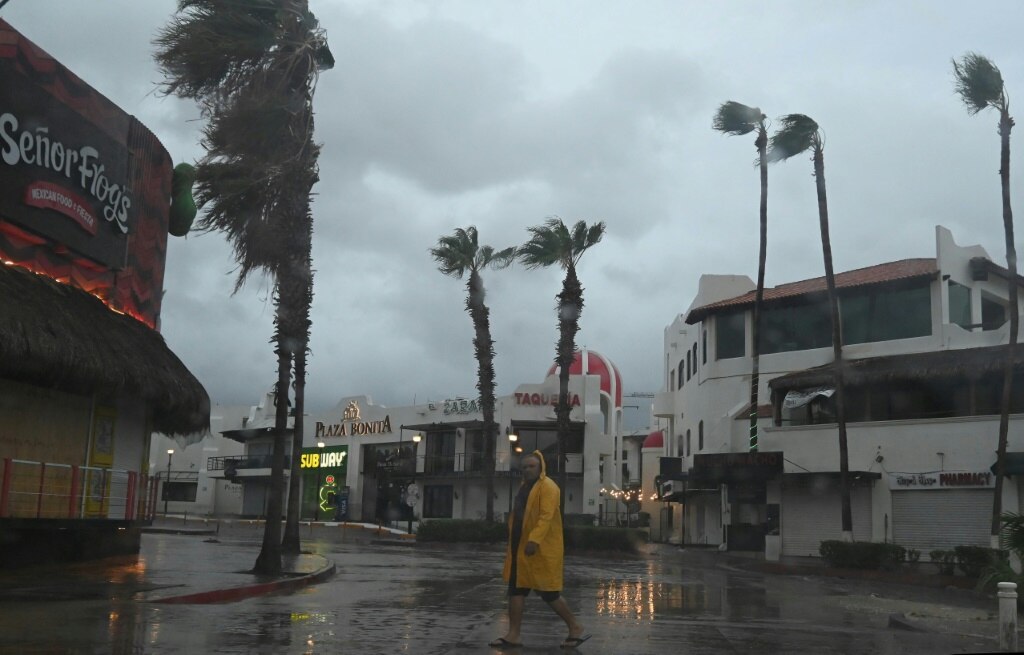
pixel 500 259
pixel 796 134
pixel 978 82
pixel 547 244
pixel 736 119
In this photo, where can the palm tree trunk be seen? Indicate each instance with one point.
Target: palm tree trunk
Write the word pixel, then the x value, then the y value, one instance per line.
pixel 269 560
pixel 291 542
pixel 762 255
pixel 837 345
pixel 570 307
pixel 1005 125
pixel 484 347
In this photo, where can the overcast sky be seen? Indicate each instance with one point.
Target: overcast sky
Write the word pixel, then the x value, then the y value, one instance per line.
pixel 500 114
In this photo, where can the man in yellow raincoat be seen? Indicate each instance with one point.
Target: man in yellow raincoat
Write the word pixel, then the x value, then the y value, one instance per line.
pixel 534 557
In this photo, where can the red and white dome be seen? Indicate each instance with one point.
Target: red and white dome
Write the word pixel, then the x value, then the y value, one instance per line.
pixel 596 364
pixel 655 439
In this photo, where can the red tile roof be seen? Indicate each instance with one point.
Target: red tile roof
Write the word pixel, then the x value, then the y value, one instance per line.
pixel 901 270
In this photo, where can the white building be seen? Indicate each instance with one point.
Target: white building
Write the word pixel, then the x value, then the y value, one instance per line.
pixel 922 385
pixel 186 485
pixel 370 454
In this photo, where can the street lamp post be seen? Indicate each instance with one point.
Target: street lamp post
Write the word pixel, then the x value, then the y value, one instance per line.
pixel 512 439
pixel 316 496
pixel 170 454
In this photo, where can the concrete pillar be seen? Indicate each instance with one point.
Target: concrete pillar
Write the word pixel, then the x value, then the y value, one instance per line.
pixel 1008 616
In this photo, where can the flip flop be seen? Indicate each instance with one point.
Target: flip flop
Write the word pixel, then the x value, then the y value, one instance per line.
pixel 574 642
pixel 502 644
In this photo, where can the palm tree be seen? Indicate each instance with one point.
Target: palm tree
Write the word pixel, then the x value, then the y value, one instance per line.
pixel 736 119
pixel 798 133
pixel 553 243
pixel 980 86
pixel 251 67
pixel 457 255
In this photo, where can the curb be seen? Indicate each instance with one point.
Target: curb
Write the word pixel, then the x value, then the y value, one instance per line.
pixel 184 530
pixel 251 591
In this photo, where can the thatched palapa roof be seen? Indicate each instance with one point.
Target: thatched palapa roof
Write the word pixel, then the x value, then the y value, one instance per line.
pixel 55 335
pixel 972 363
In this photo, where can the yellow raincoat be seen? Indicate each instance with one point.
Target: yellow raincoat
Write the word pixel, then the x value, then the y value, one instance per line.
pixel 542 524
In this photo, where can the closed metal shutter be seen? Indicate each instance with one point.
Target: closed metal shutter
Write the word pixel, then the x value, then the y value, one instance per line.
pixel 930 520
pixel 813 513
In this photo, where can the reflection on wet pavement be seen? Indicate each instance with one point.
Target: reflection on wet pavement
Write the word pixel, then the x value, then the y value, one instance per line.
pixel 387 599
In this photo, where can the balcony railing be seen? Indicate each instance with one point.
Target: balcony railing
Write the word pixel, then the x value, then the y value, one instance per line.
pixel 44 490
pixel 239 462
pixel 472 464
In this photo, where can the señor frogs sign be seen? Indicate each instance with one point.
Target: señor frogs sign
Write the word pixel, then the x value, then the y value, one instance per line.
pixel 61 176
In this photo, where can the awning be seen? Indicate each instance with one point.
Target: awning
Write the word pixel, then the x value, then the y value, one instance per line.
pixel 437 426
pixel 1012 465
pixel 57 336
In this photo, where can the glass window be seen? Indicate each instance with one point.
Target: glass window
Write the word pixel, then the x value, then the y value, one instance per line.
pixel 688 365
pixel 959 305
pixel 437 501
pixel 688 449
pixel 180 491
pixel 795 327
pixel 695 358
pixel 680 369
pixel 730 335
pixel 993 313
pixel 700 436
pixel 886 313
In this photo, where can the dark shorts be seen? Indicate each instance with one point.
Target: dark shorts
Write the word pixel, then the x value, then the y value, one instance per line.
pixel 546 596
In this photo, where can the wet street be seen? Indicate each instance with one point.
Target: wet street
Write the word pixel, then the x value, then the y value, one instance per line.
pixel 389 597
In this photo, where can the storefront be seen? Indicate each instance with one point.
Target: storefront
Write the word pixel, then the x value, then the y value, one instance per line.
pixel 747 513
pixel 942 510
pixel 84 375
pixel 324 492
pixel 812 510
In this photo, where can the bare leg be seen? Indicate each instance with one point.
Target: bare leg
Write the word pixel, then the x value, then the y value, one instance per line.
pixel 515 618
pixel 562 610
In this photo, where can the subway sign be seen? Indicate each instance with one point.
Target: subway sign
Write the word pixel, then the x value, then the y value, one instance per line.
pixel 334 458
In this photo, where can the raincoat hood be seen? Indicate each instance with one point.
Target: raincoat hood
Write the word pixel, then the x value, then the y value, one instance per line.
pixel 543 465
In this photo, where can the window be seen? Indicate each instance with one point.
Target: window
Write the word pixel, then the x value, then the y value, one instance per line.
pixel 474 457
pixel 688 449
pixel 730 335
pixel 885 313
pixel 688 364
pixel 800 326
pixel 993 313
pixel 437 501
pixel 546 441
pixel 672 380
pixel 440 452
pixel 700 436
pixel 695 358
pixel 180 491
pixel 680 369
pixel 704 347
pixel 960 305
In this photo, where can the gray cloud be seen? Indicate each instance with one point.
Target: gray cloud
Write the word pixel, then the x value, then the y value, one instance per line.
pixel 453 113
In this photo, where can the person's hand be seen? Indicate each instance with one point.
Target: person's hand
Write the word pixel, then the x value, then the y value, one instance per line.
pixel 531 548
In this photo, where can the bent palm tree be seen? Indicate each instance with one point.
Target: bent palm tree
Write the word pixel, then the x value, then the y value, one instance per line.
pixel 455 256
pixel 798 133
pixel 553 243
pixel 980 86
pixel 736 119
pixel 251 67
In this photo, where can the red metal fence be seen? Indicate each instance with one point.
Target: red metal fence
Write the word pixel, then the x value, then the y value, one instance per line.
pixel 44 490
